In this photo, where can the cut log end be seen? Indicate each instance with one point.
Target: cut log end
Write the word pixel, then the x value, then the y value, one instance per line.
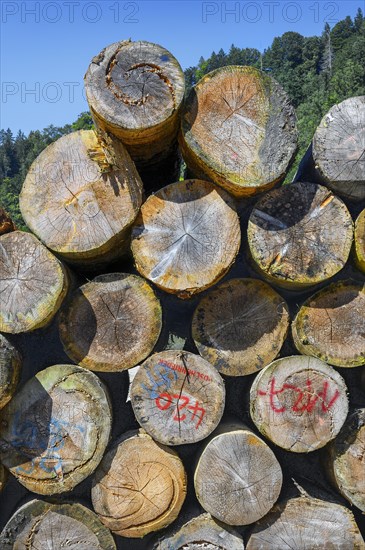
pixel 10 367
pixel 359 241
pixel 331 325
pixel 346 459
pixel 240 326
pixel 237 478
pixel 177 397
pixel 81 196
pixel 54 431
pixel 33 283
pixel 300 403
pixel 135 91
pixel 299 235
pixel 39 524
pixel 202 533
pixel 306 523
pixel 139 486
pixel 111 323
pixel 239 130
pixel 338 148
pixel 186 237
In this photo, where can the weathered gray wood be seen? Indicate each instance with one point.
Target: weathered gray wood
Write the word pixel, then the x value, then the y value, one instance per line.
pixel 239 130
pixel 33 283
pixel 299 235
pixel 186 237
pixel 55 430
pixel 237 478
pixel 177 397
pixel 240 326
pixel 359 241
pixel 111 323
pixel 10 367
pixel 346 459
pixel 6 223
pixel 139 486
pixel 338 148
pixel 202 533
pixel 135 91
pixel 330 325
pixel 81 196
pixel 306 524
pixel 42 525
pixel 300 403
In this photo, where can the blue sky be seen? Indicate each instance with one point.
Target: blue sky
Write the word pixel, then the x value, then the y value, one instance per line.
pixel 46 46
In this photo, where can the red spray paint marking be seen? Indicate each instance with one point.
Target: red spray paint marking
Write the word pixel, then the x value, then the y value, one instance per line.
pixel 302 403
pixel 164 401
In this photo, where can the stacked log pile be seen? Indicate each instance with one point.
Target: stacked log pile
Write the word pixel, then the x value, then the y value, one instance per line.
pixel 186 366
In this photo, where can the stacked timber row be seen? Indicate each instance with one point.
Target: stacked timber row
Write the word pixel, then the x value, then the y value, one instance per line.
pixel 230 306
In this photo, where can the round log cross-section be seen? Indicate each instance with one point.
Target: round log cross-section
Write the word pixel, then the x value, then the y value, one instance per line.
pixel 338 148
pixel 186 237
pixel 177 397
pixel 237 478
pixel 300 403
pixel 33 283
pixel 111 323
pixel 202 533
pixel 239 130
pixel 299 235
pixel 39 524
pixel 54 431
pixel 81 197
pixel 331 325
pixel 10 367
pixel 139 486
pixel 240 326
pixel 360 241
pixel 304 524
pixel 346 459
pixel 135 91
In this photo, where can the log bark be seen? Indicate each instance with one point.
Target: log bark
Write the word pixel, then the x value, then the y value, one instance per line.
pixel 330 325
pixel 55 430
pixel 177 397
pixel 299 235
pixel 359 241
pixel 135 91
pixel 240 326
pixel 202 533
pixel 81 196
pixel 346 459
pixel 139 486
pixel 177 241
pixel 33 283
pixel 300 403
pixel 237 478
pixel 338 148
pixel 3 477
pixel 39 524
pixel 10 368
pixel 307 524
pixel 239 130
pixel 111 323
pixel 6 223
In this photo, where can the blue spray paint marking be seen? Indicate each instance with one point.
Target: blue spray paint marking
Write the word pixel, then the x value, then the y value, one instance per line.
pixel 160 378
